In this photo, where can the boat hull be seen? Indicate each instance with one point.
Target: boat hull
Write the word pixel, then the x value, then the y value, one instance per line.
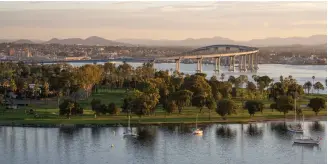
pixel 294 130
pixel 301 141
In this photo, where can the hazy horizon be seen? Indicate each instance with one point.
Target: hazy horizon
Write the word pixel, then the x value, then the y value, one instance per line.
pixel 240 21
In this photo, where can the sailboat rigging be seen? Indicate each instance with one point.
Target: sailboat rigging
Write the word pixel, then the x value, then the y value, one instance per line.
pixel 197 131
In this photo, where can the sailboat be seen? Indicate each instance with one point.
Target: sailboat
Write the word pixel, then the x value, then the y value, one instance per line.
pixel 296 128
pixel 306 140
pixel 129 132
pixel 197 131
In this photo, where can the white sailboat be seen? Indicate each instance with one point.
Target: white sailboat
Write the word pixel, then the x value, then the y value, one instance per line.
pixel 197 131
pixel 306 140
pixel 296 128
pixel 129 132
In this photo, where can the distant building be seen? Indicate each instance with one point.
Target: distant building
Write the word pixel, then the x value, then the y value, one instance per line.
pixel 11 52
pixel 77 58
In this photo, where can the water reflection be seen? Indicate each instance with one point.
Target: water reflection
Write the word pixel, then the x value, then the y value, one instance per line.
pixel 171 128
pixel 69 132
pixel 146 133
pixel 223 143
pixel 254 130
pixel 225 131
pixel 184 129
pixel 308 147
pixel 316 127
pixel 279 129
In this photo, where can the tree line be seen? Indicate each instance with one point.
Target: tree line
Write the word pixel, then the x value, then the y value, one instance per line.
pixel 148 89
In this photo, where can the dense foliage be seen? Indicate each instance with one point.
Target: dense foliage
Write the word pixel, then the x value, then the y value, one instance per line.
pixel 148 89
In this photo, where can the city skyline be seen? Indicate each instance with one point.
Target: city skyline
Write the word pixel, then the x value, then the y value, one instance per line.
pixel 162 20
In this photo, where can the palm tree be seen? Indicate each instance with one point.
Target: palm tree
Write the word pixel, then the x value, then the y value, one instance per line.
pixel 318 86
pixel 222 76
pixel 313 77
pixel 307 86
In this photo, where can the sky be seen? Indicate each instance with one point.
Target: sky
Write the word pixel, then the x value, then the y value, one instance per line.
pixel 161 20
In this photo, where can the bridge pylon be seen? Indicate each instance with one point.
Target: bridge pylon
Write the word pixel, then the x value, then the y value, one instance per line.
pixel 199 65
pixel 217 65
pixel 177 65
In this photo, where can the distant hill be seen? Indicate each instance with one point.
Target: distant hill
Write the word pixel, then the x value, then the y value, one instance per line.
pixel 312 40
pixel 93 40
pixel 190 42
pixel 23 41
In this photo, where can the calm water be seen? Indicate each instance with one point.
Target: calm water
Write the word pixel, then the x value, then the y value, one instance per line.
pixel 301 73
pixel 231 143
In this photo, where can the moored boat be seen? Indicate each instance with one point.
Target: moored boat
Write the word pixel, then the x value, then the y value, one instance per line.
pixel 197 131
pixel 307 140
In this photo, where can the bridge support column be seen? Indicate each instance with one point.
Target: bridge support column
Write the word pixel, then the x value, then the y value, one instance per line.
pixel 256 61
pixel 233 63
pixel 252 62
pixel 177 65
pixel 230 63
pixel 245 63
pixel 249 62
pixel 199 65
pixel 217 65
pixel 241 58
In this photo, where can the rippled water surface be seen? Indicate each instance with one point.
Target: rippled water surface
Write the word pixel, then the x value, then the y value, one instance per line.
pixel 261 143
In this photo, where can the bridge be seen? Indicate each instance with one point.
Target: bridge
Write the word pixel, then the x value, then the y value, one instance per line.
pixel 247 57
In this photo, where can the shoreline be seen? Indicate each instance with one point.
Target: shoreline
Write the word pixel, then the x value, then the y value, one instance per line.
pixel 101 124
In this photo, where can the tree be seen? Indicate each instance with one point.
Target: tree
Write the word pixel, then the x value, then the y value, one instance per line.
pixel 210 104
pixel 251 87
pixel 222 76
pixel 170 107
pixel 46 90
pixel 69 108
pixel 318 86
pixel 200 88
pixel 232 79
pixel 307 85
pixel 313 77
pixel 112 109
pixel 96 105
pixel 215 86
pixel 88 75
pixel 284 104
pixel 225 107
pixel 182 98
pixel 317 104
pixel 263 81
pixel 13 86
pixel 253 106
pixel 273 106
pixel 199 101
pixel 243 79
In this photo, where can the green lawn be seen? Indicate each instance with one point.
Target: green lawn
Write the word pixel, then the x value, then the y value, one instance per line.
pixel 48 113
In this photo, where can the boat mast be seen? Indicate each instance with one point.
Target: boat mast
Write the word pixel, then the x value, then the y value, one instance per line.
pixel 196 120
pixel 295 106
pixel 303 120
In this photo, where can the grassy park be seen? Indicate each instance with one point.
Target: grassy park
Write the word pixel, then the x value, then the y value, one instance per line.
pixel 47 112
pixel 57 94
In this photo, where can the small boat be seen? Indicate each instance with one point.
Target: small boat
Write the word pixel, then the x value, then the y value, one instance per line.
pixel 307 140
pixel 197 131
pixel 129 132
pixel 295 129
